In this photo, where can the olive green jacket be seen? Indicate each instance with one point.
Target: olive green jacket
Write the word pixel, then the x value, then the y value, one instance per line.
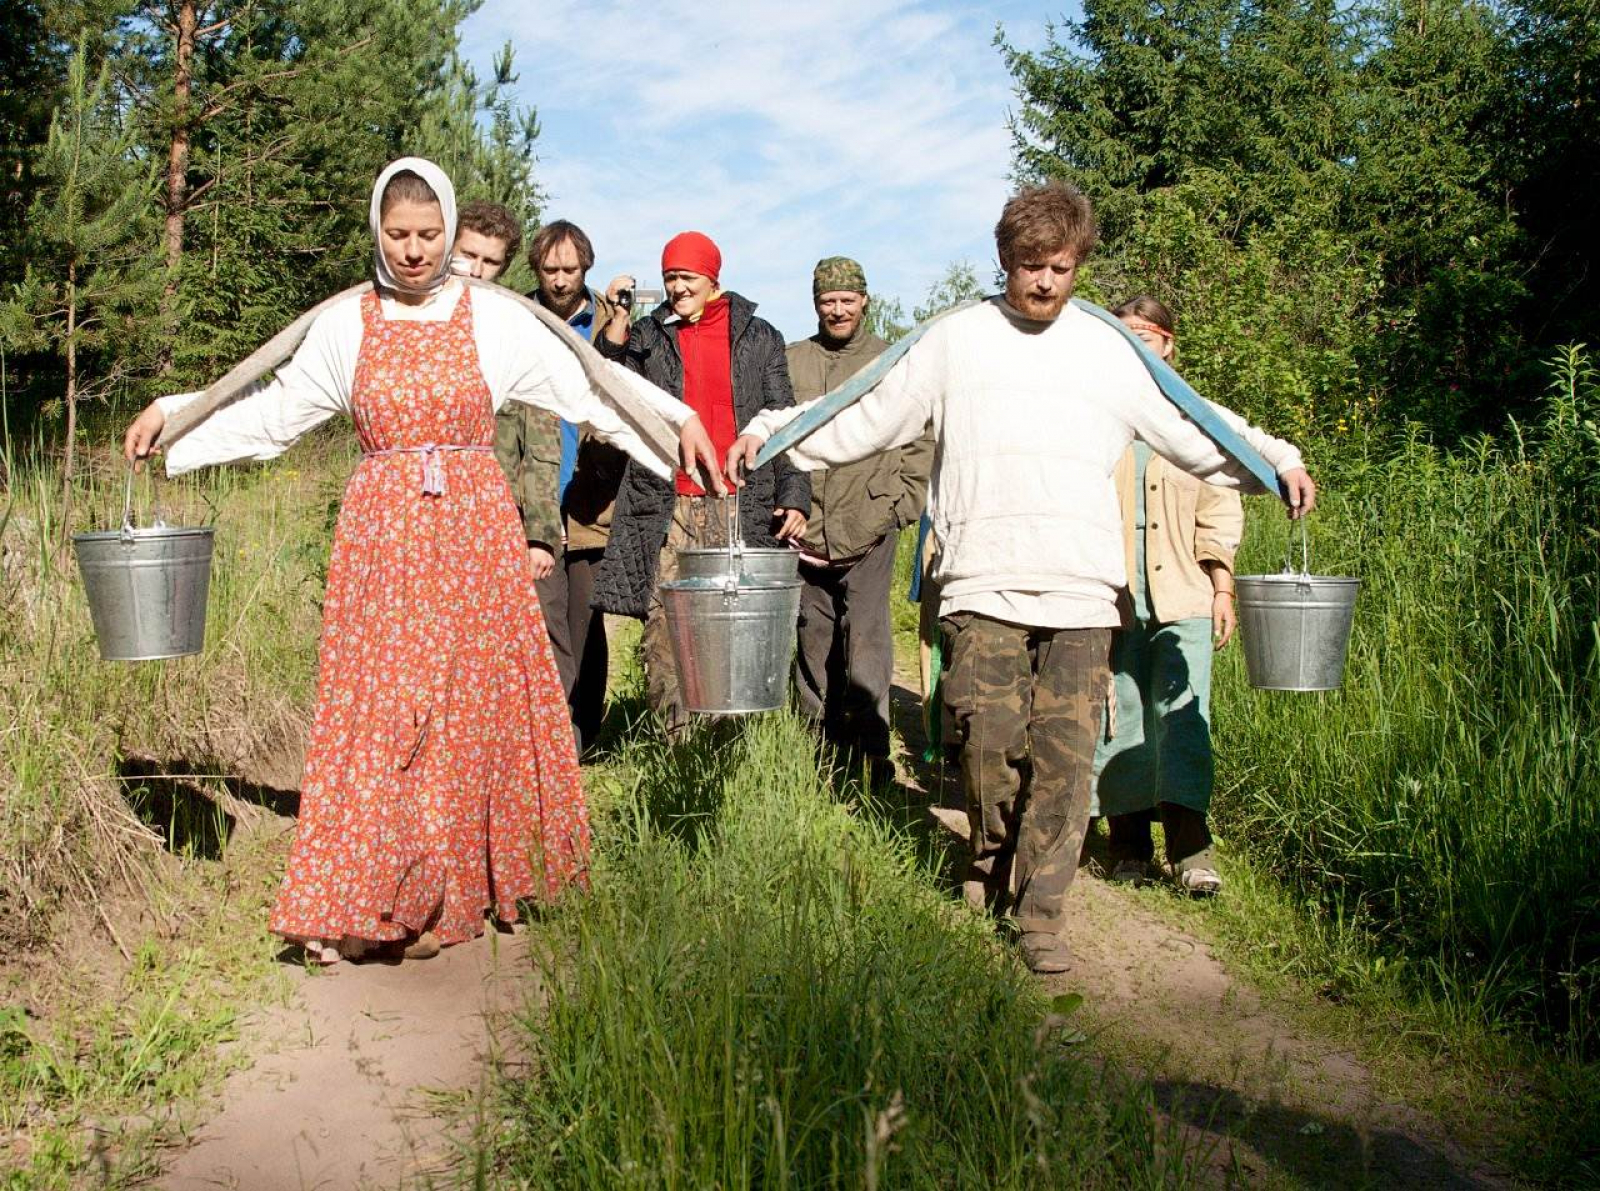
pixel 854 506
pixel 527 442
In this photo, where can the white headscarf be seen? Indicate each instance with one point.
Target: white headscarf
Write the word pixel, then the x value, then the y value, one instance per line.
pixel 440 182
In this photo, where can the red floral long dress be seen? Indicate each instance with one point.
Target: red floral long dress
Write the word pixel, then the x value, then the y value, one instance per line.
pixel 441 777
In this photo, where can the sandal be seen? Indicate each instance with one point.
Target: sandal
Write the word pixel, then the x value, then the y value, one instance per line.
pixel 1199 881
pixel 320 953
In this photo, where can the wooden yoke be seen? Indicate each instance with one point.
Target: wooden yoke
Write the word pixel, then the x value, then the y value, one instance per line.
pixel 252 368
pixel 612 384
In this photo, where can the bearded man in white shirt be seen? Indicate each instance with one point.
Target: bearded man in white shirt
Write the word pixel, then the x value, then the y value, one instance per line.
pixel 1032 403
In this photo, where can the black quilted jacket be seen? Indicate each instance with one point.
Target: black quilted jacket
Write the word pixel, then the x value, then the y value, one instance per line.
pixel 644 504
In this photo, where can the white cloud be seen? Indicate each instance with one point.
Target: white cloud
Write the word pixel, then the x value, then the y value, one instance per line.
pixel 786 131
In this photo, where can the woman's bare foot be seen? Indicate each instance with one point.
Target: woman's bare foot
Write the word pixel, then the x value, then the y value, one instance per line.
pixel 424 946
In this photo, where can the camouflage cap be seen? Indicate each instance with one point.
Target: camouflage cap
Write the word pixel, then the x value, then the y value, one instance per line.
pixel 836 273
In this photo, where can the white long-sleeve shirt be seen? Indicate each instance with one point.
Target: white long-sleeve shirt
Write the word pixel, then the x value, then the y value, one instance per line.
pixel 1029 422
pixel 521 360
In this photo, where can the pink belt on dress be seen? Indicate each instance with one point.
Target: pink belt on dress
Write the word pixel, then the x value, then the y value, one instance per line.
pixel 432 462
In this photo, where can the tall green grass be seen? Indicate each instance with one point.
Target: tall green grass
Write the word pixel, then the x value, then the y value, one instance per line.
pixel 1447 800
pixel 766 988
pixel 100 1053
pixel 65 827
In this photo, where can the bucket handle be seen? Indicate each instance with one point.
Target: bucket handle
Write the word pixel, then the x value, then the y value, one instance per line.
pixel 730 513
pixel 127 504
pixel 1305 552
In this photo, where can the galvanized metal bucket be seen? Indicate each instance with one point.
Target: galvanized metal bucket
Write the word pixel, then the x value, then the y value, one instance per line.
pixel 147 588
pixel 1296 626
pixel 732 630
pixel 711 562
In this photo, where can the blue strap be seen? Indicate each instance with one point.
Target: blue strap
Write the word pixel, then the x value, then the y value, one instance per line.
pixel 1173 387
pixel 924 528
pixel 847 394
pixel 1195 407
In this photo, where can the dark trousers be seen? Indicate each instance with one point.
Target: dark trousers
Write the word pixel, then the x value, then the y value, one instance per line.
pixel 578 639
pixel 844 661
pixel 1028 704
pixel 1186 832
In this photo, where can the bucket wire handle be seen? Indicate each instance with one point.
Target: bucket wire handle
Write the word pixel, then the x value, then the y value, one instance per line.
pixel 730 516
pixel 127 504
pixel 1305 551
pixel 156 520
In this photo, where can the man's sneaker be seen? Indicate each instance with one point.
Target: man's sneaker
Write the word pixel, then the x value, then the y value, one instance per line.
pixel 1044 953
pixel 1130 872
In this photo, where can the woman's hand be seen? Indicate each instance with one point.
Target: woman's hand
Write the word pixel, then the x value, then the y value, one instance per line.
pixel 1223 619
pixel 791 523
pixel 742 457
pixel 696 453
pixel 1299 492
pixel 140 440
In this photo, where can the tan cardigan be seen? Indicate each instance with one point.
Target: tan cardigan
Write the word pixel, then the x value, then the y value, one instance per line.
pixel 1187 522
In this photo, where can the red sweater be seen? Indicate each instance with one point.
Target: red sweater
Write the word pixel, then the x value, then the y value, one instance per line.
pixel 706 347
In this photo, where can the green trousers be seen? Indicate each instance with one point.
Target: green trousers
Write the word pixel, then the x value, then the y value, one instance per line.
pixel 1157 744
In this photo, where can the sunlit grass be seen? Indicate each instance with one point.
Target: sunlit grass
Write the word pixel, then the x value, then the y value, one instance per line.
pixel 767 988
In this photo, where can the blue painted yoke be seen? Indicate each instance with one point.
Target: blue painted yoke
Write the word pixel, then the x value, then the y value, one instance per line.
pixel 1173 387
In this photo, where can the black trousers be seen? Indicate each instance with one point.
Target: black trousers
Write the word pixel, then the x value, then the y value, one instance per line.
pixel 578 639
pixel 844 661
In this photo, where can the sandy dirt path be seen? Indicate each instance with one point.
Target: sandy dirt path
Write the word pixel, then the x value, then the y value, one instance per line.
pixel 1262 1099
pixel 352 1082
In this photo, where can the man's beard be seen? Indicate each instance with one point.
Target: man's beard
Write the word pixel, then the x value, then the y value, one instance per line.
pixel 565 306
pixel 1043 310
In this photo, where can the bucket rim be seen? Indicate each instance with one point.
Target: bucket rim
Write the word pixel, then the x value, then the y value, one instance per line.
pixel 719 583
pixel 1294 577
pixel 147 533
pixel 154 657
pixel 723 550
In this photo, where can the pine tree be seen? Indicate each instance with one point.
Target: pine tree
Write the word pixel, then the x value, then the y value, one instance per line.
pixel 294 107
pixel 496 165
pixel 92 281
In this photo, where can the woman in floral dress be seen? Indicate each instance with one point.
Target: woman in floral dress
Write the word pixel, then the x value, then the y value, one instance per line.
pixel 441 780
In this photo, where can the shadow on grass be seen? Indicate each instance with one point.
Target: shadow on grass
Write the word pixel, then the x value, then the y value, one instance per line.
pixel 909 805
pixel 1314 1151
pixel 197 813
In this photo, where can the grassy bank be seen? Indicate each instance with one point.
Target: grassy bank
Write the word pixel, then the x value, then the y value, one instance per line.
pixel 1446 800
pixel 767 988
pixel 131 891
pixel 1416 848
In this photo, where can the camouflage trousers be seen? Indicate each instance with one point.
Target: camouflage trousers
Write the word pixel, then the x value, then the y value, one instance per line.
pixel 1027 704
pixel 696 521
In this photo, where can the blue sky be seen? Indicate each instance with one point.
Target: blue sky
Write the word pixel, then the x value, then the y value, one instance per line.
pixel 785 131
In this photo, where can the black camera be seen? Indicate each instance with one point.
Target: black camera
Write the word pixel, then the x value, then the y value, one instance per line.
pixel 625 298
